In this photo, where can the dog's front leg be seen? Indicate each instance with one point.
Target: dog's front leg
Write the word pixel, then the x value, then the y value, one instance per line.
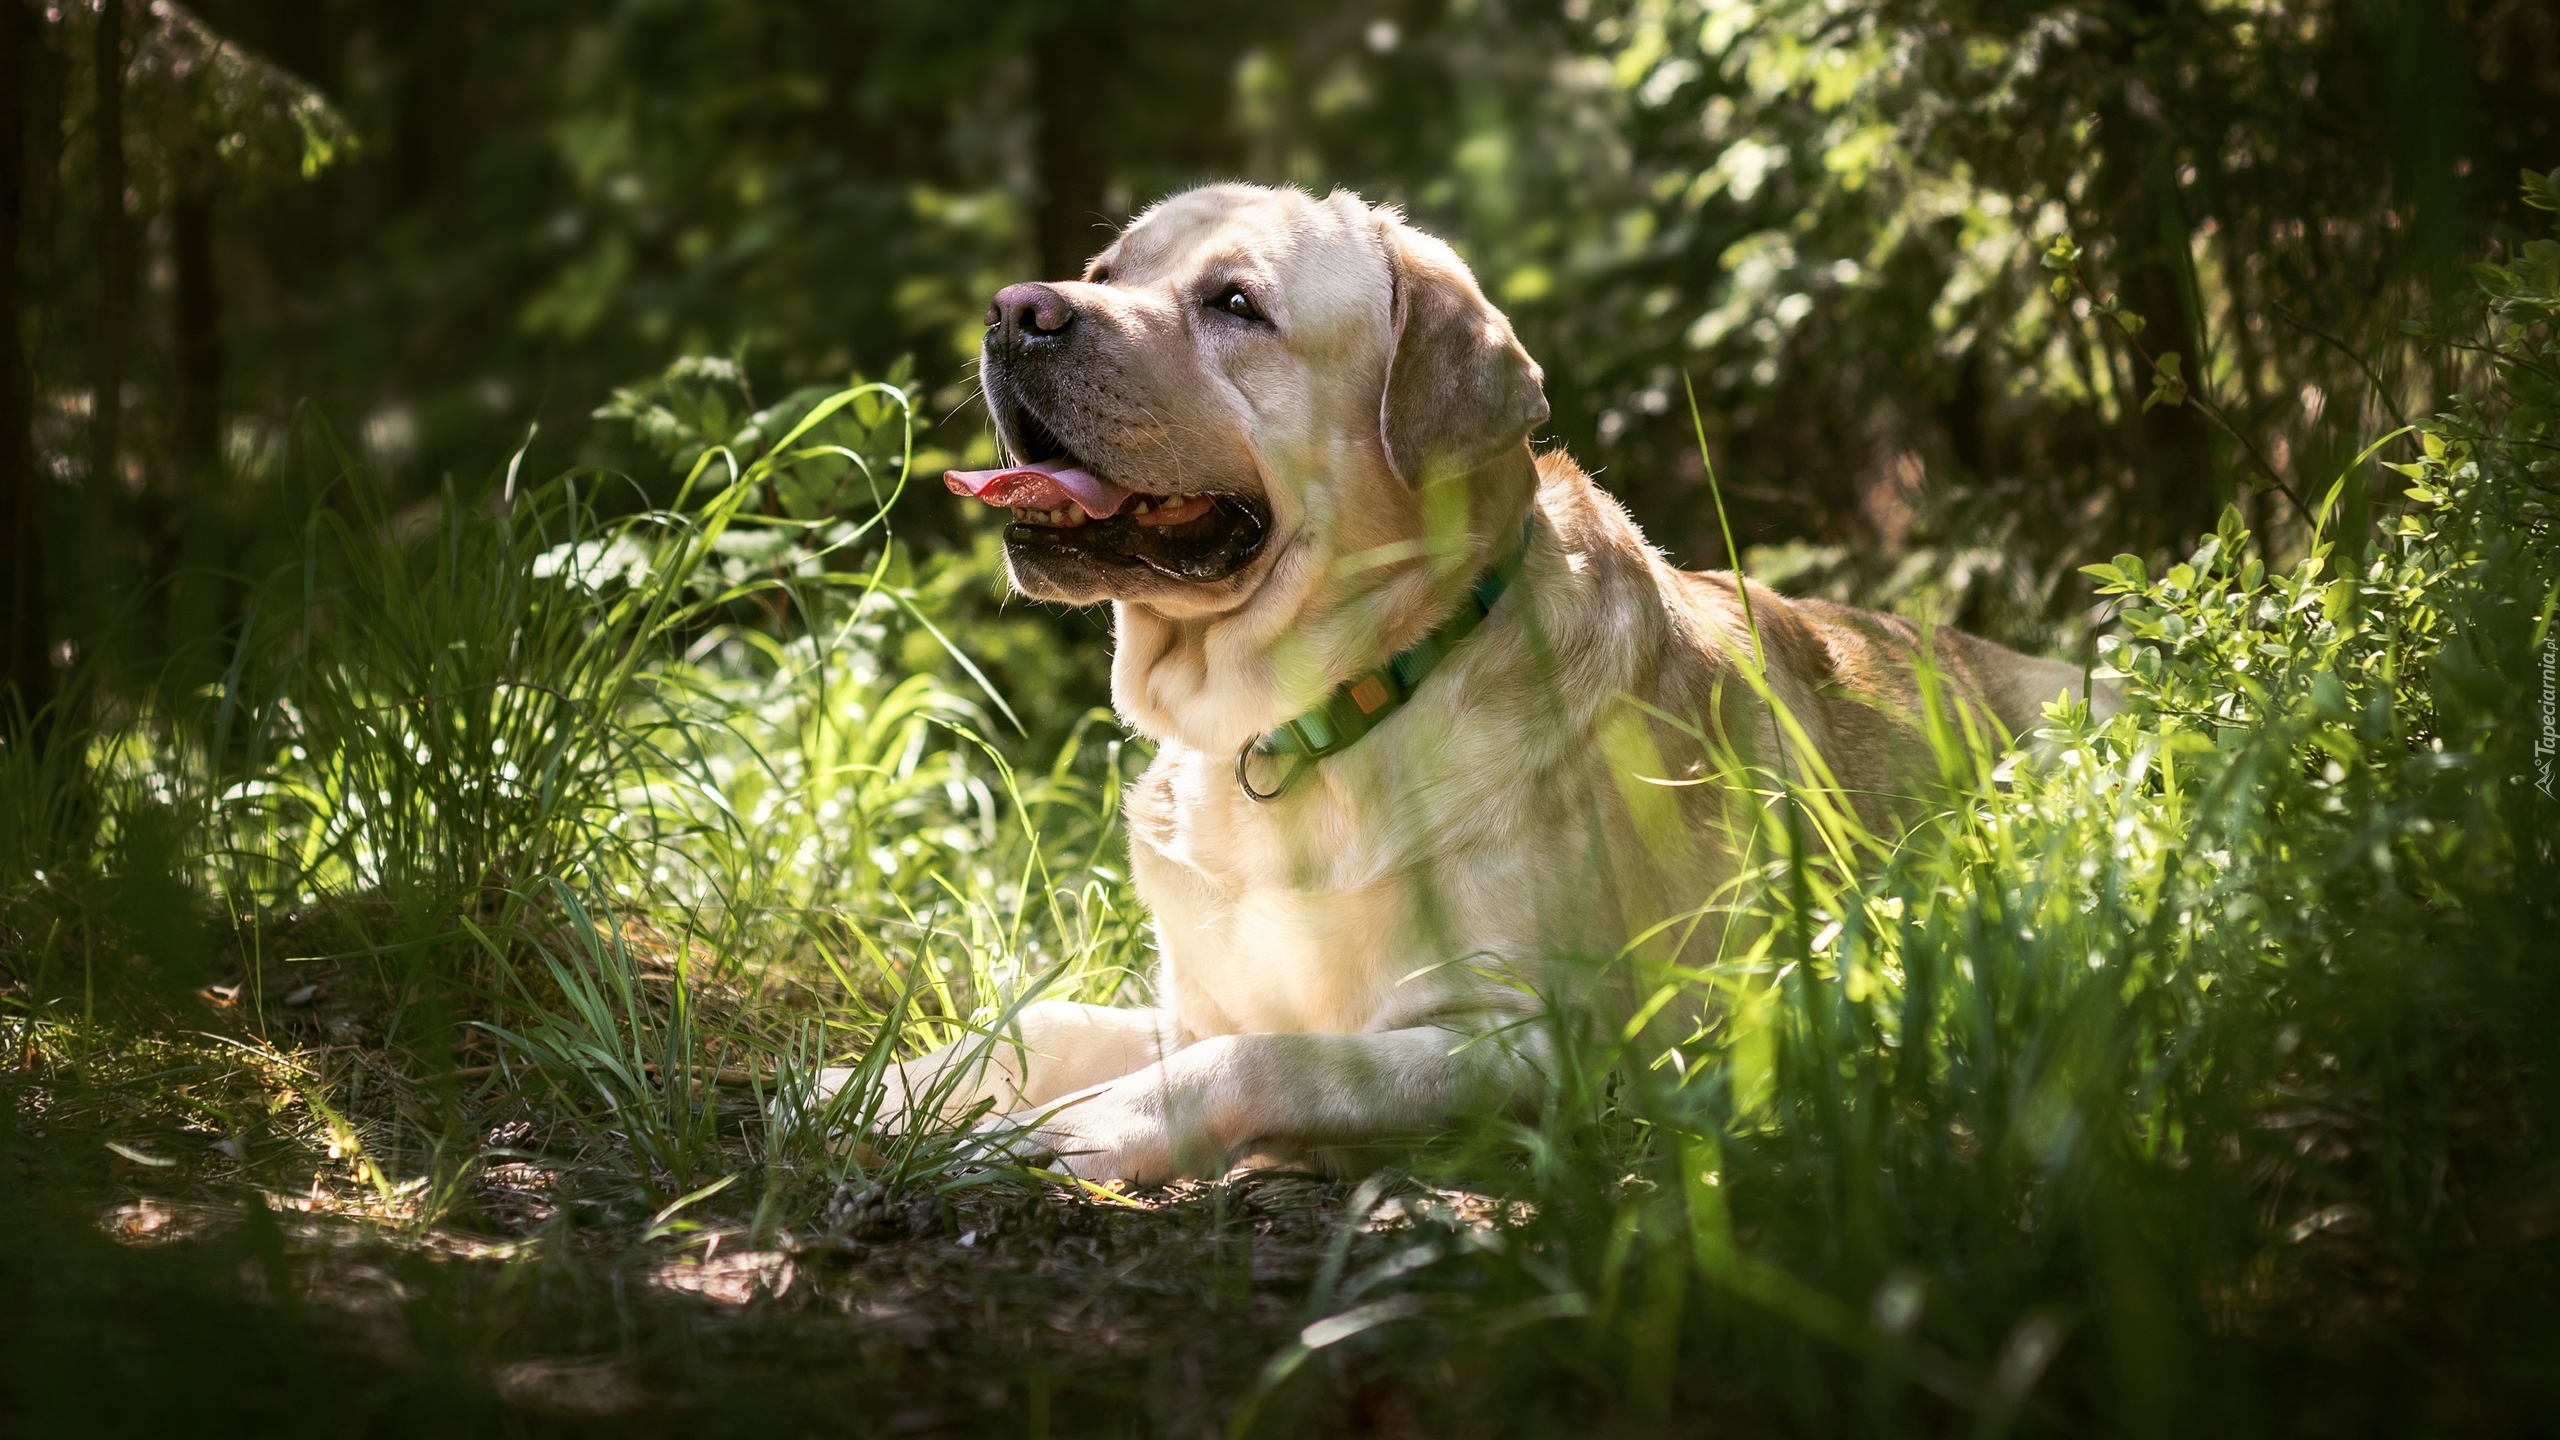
pixel 1224 1097
pixel 1054 1047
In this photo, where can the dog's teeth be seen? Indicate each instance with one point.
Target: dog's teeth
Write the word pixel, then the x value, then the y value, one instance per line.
pixel 1142 507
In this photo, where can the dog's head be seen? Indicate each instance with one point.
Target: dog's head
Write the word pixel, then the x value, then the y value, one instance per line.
pixel 1257 407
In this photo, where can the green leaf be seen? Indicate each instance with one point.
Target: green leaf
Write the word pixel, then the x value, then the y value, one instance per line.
pixel 2168 382
pixel 658 1223
pixel 2542 192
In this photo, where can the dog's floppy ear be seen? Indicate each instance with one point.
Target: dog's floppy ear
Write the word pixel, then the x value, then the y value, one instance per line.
pixel 1460 390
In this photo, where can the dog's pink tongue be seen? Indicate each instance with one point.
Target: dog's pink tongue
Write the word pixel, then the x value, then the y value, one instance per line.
pixel 1048 485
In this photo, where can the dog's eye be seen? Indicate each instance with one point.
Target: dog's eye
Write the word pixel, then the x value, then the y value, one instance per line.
pixel 1234 301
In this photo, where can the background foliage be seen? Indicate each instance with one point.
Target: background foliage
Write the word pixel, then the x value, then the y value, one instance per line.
pixel 454 225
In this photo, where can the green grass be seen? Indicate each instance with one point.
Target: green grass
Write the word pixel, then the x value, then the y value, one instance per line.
pixel 473 943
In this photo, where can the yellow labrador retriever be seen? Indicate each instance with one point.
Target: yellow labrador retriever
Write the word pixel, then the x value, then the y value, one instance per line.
pixel 1416 688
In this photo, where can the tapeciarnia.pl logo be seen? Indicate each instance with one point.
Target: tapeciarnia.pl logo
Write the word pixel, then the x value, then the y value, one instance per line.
pixel 2546 746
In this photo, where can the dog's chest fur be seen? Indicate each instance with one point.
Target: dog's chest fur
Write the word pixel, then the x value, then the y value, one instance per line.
pixel 1449 863
pixel 1309 914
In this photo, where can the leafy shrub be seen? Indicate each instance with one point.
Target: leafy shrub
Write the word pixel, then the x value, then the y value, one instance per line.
pixel 2164 1089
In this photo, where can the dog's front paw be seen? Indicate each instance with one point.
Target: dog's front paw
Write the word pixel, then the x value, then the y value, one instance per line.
pixel 891 1112
pixel 1102 1136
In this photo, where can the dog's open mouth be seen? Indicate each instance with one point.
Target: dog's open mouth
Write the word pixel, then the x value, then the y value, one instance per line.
pixel 1061 507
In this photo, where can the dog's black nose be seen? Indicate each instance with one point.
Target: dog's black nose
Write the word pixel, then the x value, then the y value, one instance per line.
pixel 1030 311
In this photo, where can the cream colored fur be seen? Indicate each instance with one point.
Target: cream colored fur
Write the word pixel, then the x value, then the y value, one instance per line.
pixel 1366 958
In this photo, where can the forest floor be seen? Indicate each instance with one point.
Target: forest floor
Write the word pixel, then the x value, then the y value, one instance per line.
pixel 167 1265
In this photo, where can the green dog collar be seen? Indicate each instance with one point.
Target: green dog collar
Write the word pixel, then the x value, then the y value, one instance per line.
pixel 1358 706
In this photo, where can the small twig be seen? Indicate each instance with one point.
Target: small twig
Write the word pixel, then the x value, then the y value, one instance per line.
pixel 2375 380
pixel 2192 397
pixel 1115 1277
pixel 2188 394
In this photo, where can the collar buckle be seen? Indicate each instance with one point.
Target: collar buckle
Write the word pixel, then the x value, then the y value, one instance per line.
pixel 1288 777
pixel 1367 699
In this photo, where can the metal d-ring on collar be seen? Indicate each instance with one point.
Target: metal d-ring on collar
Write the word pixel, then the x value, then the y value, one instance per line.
pixel 1358 705
pixel 1265 797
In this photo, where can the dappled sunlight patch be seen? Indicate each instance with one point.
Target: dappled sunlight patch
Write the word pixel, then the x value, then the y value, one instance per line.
pixel 368 1300
pixel 153 1221
pixel 1449 1209
pixel 732 1277
pixel 586 1387
pixel 517 1194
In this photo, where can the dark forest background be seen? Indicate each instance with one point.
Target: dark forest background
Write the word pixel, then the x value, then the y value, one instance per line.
pixel 436 231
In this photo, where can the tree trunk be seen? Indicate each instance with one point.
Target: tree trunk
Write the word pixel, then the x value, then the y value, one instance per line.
pixel 115 282
pixel 24 667
pixel 196 420
pixel 1073 85
pixel 194 557
pixel 2180 489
